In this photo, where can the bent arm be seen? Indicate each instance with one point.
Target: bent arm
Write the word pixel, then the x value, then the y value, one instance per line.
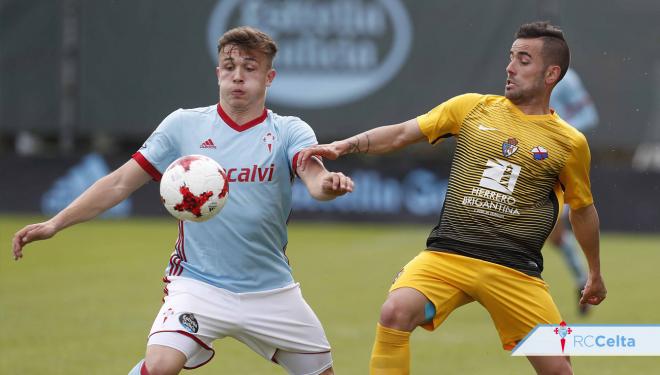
pixel 101 196
pixel 586 225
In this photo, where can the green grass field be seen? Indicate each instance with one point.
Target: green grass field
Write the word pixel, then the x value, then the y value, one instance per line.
pixel 83 302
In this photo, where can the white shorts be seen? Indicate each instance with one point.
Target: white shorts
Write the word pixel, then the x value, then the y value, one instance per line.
pixel 267 321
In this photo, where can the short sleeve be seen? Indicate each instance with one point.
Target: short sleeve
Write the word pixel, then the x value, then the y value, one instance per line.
pixel 575 175
pixel 160 149
pixel 299 136
pixel 445 120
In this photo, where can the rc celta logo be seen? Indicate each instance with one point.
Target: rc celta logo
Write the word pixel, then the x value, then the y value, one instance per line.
pixel 590 340
pixel 562 331
pixel 331 52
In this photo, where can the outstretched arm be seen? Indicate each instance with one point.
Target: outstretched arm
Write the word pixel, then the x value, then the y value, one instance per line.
pixel 379 140
pixel 103 195
pixel 322 184
pixel 586 228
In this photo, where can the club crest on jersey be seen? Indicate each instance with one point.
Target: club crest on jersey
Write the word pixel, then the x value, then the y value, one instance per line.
pixel 539 153
pixel 269 139
pixel 509 147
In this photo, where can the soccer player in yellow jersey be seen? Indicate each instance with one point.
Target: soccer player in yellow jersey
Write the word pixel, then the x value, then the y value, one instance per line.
pixel 516 162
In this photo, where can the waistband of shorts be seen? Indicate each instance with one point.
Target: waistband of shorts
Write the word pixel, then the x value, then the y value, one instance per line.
pixel 201 284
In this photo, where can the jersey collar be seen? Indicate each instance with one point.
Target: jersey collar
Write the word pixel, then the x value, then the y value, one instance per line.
pixel 239 128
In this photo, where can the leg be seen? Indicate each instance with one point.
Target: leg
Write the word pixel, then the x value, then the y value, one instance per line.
pixel 404 309
pixel 304 363
pixel 421 295
pixel 163 360
pixel 551 365
pixel 402 312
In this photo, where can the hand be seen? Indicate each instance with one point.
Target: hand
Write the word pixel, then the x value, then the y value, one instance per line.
pixel 336 183
pixel 594 292
pixel 30 233
pixel 329 151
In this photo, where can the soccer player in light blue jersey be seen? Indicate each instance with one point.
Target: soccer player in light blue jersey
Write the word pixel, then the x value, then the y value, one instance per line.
pixel 229 276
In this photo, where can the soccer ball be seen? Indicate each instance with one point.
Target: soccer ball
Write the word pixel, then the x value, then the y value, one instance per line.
pixel 194 187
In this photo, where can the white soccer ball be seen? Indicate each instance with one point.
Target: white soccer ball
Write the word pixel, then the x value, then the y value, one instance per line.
pixel 194 187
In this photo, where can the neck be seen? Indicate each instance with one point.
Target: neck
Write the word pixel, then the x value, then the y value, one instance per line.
pixel 242 115
pixel 534 106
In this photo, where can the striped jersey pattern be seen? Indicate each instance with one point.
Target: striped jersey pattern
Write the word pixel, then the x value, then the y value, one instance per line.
pixel 508 179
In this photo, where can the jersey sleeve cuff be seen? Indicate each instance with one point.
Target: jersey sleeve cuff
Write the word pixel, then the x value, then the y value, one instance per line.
pixel 147 166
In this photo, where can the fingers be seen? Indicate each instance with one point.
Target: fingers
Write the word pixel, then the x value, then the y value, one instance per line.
pixel 324 151
pixel 19 241
pixel 592 297
pixel 339 183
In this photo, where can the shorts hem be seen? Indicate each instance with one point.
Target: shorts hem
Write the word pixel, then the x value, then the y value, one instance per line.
pixel 194 338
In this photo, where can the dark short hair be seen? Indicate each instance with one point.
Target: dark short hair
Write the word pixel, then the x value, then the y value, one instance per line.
pixel 555 48
pixel 249 39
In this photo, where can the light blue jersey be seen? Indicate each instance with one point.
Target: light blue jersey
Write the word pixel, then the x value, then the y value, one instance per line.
pixel 242 249
pixel 573 103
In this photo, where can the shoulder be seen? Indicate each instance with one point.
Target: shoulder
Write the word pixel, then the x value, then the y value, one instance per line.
pixel 197 113
pixel 288 123
pixel 575 136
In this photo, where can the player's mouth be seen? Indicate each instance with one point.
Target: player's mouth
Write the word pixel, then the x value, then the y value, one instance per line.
pixel 237 92
pixel 509 84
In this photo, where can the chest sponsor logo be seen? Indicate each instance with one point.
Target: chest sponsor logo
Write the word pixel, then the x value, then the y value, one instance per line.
pixel 253 174
pixel 539 153
pixel 269 139
pixel 494 197
pixel 509 147
pixel 500 175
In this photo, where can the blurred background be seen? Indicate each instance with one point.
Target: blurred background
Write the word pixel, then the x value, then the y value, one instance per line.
pixel 83 84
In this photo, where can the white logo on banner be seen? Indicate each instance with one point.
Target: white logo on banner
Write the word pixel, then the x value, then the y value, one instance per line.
pixel 330 52
pixel 590 340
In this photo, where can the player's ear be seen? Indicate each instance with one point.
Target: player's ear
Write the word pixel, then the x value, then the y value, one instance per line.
pixel 270 76
pixel 552 74
pixel 217 74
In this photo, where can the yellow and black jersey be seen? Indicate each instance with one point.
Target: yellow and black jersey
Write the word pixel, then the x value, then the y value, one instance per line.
pixel 510 175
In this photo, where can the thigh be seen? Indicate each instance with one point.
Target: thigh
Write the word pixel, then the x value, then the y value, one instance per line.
pixel 189 322
pixel 516 302
pixel 440 278
pixel 299 364
pixel 280 320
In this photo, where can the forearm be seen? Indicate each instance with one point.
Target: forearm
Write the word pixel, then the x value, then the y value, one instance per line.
pixel 382 140
pixel 586 225
pixel 102 195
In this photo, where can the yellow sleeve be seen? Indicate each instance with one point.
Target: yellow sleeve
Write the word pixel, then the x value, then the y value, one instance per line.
pixel 575 175
pixel 445 120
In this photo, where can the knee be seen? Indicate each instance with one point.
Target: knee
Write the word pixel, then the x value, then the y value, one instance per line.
pixel 161 364
pixel 328 372
pixel 397 315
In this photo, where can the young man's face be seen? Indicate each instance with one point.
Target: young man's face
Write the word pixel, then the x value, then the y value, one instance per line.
pixel 526 71
pixel 243 76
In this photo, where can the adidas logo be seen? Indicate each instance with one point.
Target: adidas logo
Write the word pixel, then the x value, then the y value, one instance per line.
pixel 207 144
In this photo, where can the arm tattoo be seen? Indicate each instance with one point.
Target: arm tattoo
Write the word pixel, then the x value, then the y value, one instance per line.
pixel 354 144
